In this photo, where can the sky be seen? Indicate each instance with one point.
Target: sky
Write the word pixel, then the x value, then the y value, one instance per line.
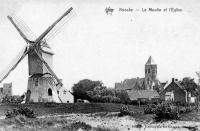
pixel 109 48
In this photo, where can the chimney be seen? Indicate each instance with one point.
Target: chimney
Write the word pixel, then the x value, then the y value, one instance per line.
pixel 172 79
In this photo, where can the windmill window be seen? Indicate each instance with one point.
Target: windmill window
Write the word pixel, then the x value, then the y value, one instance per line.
pixel 64 92
pixel 49 92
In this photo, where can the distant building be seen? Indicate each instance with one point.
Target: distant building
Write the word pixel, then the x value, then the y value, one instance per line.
pixel 6 90
pixel 143 95
pixel 143 89
pixel 131 84
pixel 173 91
pixel 149 82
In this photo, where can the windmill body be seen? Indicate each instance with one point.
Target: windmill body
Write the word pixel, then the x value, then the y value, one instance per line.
pixel 43 83
pixel 35 65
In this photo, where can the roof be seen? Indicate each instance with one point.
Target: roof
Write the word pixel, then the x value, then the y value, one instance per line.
pixel 178 84
pixel 129 84
pixel 150 61
pixel 168 83
pixel 46 48
pixel 135 94
pixel 168 93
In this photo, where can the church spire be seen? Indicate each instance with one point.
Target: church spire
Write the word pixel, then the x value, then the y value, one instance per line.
pixel 150 61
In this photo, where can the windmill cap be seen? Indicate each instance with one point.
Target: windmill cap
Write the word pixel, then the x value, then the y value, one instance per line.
pixel 46 48
pixel 150 61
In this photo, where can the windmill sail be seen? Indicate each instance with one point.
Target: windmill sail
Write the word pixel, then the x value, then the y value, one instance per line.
pixel 44 34
pixel 58 27
pixel 18 29
pixel 24 27
pixel 13 64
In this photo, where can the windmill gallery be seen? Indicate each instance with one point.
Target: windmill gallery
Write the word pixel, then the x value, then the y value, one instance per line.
pixel 43 84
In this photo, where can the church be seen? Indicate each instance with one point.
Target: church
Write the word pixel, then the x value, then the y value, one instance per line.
pixel 149 82
pixel 142 88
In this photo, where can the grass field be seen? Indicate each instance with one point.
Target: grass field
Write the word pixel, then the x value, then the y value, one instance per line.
pixel 91 116
pixel 45 109
pixel 54 116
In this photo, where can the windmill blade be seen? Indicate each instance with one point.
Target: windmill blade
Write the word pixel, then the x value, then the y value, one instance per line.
pixel 24 27
pixel 58 28
pixel 52 26
pixel 198 74
pixel 48 67
pixel 13 64
pixel 18 29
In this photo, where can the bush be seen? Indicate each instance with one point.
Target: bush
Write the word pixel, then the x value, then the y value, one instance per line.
pixel 150 109
pixel 78 125
pixel 50 104
pixel 166 112
pixel 27 112
pixel 13 99
pixel 186 109
pixel 125 111
pixel 105 99
pixel 98 128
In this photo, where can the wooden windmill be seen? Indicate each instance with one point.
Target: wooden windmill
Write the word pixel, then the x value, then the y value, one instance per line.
pixel 43 84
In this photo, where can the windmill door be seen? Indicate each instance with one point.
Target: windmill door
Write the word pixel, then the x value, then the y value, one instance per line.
pixel 28 95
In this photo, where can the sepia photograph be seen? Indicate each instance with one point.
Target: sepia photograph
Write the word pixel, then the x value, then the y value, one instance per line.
pixel 99 65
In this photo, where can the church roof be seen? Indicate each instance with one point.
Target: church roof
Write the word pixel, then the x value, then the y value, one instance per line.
pixel 140 94
pixel 150 61
pixel 129 84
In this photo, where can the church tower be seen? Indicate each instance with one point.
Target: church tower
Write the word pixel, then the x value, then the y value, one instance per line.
pixel 150 73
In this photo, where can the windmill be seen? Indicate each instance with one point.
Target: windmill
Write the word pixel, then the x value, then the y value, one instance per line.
pixel 43 84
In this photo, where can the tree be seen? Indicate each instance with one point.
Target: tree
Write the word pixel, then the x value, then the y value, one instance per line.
pixel 123 95
pixel 190 86
pixel 83 86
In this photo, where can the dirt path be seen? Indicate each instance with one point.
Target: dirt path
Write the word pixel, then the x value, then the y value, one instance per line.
pixel 127 123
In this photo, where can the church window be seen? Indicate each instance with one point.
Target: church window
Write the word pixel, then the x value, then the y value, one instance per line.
pixel 149 70
pixel 49 92
pixel 36 82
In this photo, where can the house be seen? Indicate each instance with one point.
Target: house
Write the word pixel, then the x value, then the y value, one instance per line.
pixel 173 91
pixel 143 95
